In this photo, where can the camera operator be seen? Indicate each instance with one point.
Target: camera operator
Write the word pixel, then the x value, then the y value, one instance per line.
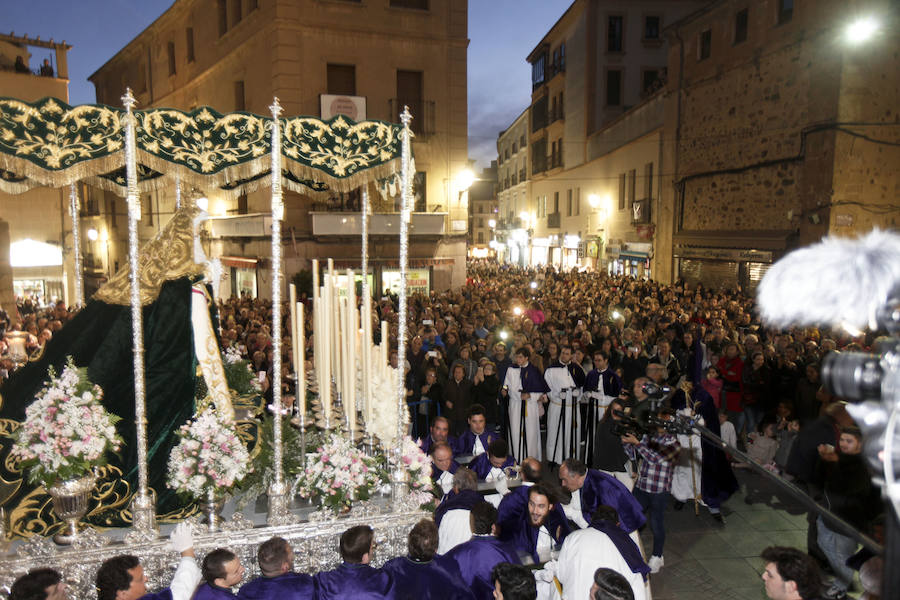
pixel 655 479
pixel 609 455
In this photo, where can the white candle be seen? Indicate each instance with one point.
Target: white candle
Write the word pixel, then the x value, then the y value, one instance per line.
pixel 301 361
pixel 384 347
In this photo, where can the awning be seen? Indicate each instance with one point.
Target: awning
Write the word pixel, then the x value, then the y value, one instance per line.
pixel 750 240
pixel 239 262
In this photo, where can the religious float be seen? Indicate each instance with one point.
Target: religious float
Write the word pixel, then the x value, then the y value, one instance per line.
pixel 132 416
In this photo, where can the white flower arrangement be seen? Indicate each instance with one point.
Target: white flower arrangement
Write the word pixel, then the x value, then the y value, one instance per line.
pixel 339 473
pixel 385 413
pixel 210 455
pixel 66 432
pixel 418 466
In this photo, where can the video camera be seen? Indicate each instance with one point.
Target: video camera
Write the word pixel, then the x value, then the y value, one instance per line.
pixel 643 415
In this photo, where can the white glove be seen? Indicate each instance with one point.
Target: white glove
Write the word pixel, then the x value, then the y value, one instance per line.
pixel 501 485
pixel 181 539
pixel 549 570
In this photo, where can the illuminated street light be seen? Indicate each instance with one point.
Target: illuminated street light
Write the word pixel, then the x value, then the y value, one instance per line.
pixel 594 200
pixel 492 223
pixel 861 30
pixel 465 179
pixel 203 203
pixel 92 234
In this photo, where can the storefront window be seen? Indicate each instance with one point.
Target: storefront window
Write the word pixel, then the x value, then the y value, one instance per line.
pixel 418 281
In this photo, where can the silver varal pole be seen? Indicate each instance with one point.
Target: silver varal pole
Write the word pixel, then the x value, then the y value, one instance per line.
pixel 400 476
pixel 278 492
pixel 143 506
pixel 76 242
pixel 177 194
pixel 365 320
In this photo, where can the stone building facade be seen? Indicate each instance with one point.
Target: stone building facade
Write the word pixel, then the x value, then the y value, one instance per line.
pixel 319 57
pixel 36 223
pixel 778 132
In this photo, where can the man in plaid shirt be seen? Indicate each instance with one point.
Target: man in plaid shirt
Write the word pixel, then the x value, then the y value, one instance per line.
pixel 655 480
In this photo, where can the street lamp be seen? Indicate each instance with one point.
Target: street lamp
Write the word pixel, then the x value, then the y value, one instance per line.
pixel 492 223
pixel 464 180
pixel 861 30
pixel 92 234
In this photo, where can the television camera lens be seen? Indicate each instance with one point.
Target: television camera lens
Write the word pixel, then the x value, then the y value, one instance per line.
pixel 852 375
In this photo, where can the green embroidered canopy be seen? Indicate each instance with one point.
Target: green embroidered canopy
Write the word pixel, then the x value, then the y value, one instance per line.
pixel 49 143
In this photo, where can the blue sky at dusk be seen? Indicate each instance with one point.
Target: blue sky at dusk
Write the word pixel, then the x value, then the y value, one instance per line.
pixel 501 34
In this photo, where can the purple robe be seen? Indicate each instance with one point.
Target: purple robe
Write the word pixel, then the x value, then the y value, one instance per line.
pixel 357 581
pixel 600 488
pixel 627 548
pixel 532 379
pixel 437 579
pixel 524 535
pixel 289 586
pixel 464 500
pixel 481 464
pixel 466 442
pixel 612 384
pixel 717 480
pixel 165 594
pixel 427 444
pixel 208 591
pixel 512 509
pixel 477 557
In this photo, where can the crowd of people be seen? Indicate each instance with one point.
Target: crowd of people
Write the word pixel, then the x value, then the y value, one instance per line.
pixel 574 380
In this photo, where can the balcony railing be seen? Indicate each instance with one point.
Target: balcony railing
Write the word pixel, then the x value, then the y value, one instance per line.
pixel 422 112
pixel 350 224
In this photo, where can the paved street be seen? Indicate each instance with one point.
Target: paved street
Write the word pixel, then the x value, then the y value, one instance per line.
pixel 709 561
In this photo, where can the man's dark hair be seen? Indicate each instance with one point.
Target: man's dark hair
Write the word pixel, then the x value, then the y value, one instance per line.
pixel 599 352
pixel 271 555
pixel 523 351
pixel 214 564
pixel 854 431
pixel 516 581
pixel 423 540
pixel 611 585
pixel 113 575
pixel 567 347
pixel 476 409
pixel 465 479
pixel 498 448
pixel 575 466
pixel 484 517
pixel 797 566
pixel 605 512
pixel 33 585
pixel 356 542
pixel 531 470
pixel 544 490
pixel 439 418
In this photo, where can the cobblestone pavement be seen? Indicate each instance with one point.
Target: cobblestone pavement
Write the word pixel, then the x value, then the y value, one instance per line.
pixel 707 560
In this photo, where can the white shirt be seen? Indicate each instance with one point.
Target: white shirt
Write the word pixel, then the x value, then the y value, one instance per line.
pixel 544 544
pixel 446 481
pixel 455 529
pixel 573 510
pixel 585 551
pixel 187 577
pixel 478 448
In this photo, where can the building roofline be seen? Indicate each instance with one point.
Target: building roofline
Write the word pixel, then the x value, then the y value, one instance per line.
pixel 543 41
pixel 510 126
pixel 134 39
pixel 27 41
pixel 692 16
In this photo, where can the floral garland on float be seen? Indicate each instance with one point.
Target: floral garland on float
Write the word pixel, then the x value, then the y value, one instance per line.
pixel 338 474
pixel 208 461
pixel 418 466
pixel 64 439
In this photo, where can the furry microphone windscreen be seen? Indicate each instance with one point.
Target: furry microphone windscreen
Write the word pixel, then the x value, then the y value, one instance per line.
pixel 839 281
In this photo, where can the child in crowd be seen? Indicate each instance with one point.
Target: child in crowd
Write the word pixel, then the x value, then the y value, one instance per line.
pixel 712 383
pixel 729 435
pixel 763 443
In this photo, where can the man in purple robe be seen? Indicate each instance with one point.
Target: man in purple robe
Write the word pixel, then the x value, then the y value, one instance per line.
pixel 490 465
pixel 543 526
pixel 354 578
pixel 475 440
pixel 602 386
pixel 221 571
pixel 514 505
pixel 477 557
pixel 591 488
pixel 423 576
pixel 440 432
pixel 122 577
pixel 443 466
pixel 276 562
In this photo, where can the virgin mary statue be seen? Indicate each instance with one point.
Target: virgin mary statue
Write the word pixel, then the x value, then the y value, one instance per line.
pixel 181 348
